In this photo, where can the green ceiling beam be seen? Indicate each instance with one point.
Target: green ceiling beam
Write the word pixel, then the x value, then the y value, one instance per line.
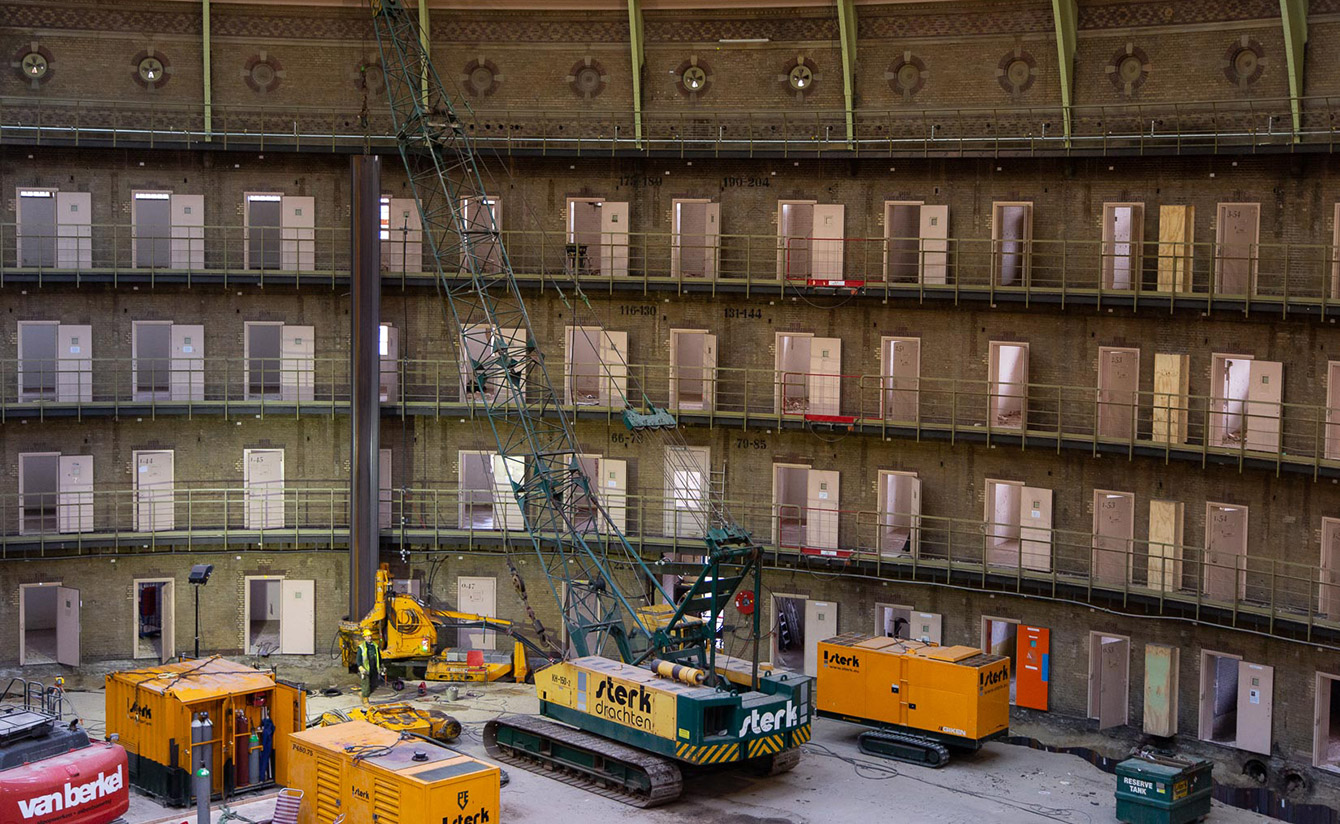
pixel 1066 14
pixel 1294 14
pixel 635 40
pixel 847 33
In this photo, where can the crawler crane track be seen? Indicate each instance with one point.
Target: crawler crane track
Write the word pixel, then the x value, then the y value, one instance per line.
pixel 581 759
pixel 909 749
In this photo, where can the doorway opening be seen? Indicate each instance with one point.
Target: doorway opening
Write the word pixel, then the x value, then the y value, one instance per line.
pixel 597 237
pixel 789 494
pixel 39 488
pixel 37 360
pixel 151 213
pixel 692 369
pixel 1008 404
pixel 809 379
pixel 900 360
pixel 482 370
pixel 1012 241
pixel 793 366
pixel 38 605
pixel 900 513
pixel 1247 395
pixel 264 615
pixel 1002 522
pixel 264 215
pixel 264 344
pixel 805 502
pixel 1328 600
pixel 482 218
pixel 697 232
pixel 1219 697
pixel 902 234
pixel 1000 636
pixel 486 497
pixel 1123 237
pixel 595 366
pixel 795 228
pixel 151 344
pixel 36 236
pixel 1109 679
pixel 893 620
pixel 154 620
pixel 686 469
pixel 401 235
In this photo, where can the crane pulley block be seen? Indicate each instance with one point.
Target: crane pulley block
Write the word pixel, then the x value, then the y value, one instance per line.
pixel 657 418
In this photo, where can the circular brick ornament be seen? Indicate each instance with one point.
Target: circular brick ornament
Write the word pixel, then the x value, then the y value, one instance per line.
pixel 34 63
pixel 480 77
pixel 1017 71
pixel 151 69
pixel 906 75
pixel 262 73
pixel 1128 69
pixel 1244 62
pixel 370 77
pixel 800 77
pixel 693 78
pixel 587 79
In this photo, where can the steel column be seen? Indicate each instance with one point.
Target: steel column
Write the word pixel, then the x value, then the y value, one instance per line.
pixel 1294 15
pixel 847 33
pixel 635 30
pixel 205 69
pixel 364 373
pixel 1066 15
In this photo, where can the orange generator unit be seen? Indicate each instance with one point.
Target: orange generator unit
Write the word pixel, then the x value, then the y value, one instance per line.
pixel 923 698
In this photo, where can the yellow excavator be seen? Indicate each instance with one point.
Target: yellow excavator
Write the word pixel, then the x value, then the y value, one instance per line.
pixel 412 639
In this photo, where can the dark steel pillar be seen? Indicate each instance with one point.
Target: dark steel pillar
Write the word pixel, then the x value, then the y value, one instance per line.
pixel 364 374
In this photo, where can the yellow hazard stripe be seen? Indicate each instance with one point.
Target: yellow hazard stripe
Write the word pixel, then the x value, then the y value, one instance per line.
pixel 800 735
pixel 717 754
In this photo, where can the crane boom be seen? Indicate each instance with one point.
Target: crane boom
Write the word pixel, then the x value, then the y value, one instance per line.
pixel 508 381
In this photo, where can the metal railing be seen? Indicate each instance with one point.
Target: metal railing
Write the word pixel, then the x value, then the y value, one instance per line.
pixel 1295 436
pixel 1266 587
pixel 1132 127
pixel 1262 276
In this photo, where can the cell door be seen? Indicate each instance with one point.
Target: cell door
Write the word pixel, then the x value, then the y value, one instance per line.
pixel 74 497
pixel 68 628
pixel 151 229
pixel 614 366
pixel 612 485
pixel 297 617
pixel 388 351
pixel 1118 391
pixel 402 237
pixel 1256 699
pixel 1328 601
pixel 686 491
pixel 1012 235
pixel 1265 390
pixel 1326 723
pixel 1109 679
pixel 827 243
pixel 1172 378
pixel 1165 545
pixel 1033 658
pixel 1177 226
pixel 187 245
pixel 1225 551
pixel 614 239
pixel 901 397
pixel 297 237
pixel 821 623
pixel 825 376
pixel 900 513
pixel 297 350
pixel 36 235
pixel 1123 234
pixel 154 490
pixel 74 230
pixel 1333 410
pixel 74 363
pixel 188 362
pixel 263 480
pixel 927 627
pixel 477 596
pixel 508 472
pixel 821 521
pixel 711 239
pixel 1035 528
pixel 1237 247
pixel 935 245
pixel 1161 680
pixel 1113 535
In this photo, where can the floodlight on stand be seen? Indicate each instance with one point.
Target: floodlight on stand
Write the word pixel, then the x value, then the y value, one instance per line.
pixel 199 576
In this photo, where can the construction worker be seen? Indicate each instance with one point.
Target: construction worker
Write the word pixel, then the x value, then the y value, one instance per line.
pixel 369 665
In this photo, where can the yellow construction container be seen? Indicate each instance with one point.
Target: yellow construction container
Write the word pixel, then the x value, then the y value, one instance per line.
pixel 151 710
pixel 371 775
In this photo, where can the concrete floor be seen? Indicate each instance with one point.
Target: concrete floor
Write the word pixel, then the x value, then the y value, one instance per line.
pixel 1002 783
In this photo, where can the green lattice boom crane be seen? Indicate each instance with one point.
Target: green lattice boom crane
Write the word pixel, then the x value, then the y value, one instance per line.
pixel 645 691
